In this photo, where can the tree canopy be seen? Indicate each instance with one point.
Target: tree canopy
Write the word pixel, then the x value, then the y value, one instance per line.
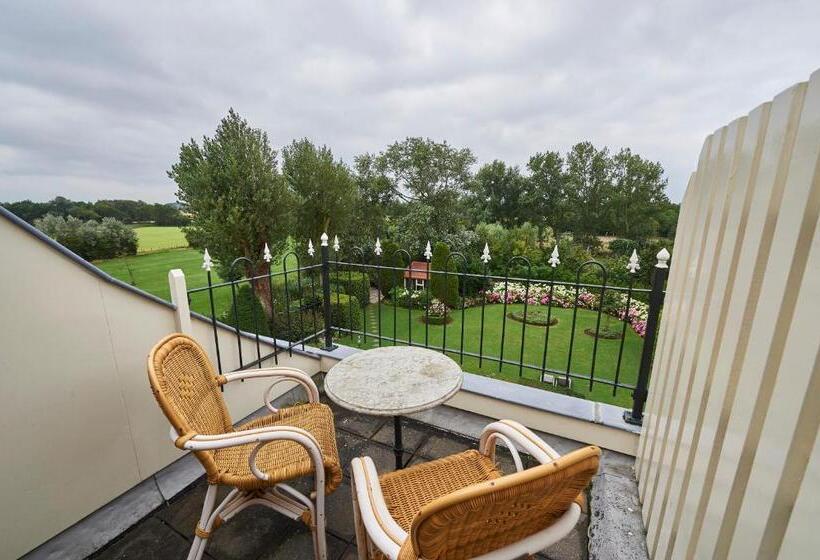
pixel 237 198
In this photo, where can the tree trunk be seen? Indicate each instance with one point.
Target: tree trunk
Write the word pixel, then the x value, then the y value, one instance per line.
pixel 261 287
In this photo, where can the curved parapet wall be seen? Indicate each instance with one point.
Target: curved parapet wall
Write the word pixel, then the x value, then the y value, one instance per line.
pixel 728 463
pixel 79 423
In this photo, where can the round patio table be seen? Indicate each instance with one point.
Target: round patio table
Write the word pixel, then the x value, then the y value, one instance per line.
pixel 393 381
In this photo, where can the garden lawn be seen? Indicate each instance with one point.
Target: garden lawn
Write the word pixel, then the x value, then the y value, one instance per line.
pixel 157 238
pixel 150 273
pixel 559 339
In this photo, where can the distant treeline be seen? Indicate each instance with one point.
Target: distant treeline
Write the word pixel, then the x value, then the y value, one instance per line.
pixel 127 211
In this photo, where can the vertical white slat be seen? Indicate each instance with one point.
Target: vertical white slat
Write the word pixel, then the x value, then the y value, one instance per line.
pixel 687 262
pixel 705 313
pixel 736 213
pixel 802 539
pixel 735 296
pixel 671 317
pixel 757 324
pixel 787 371
pixel 715 183
pixel 684 218
pixel 743 296
pixel 683 225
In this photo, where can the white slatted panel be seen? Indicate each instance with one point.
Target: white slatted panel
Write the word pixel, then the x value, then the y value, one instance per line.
pixel 725 459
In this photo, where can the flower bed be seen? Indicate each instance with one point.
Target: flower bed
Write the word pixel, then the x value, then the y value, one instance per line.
pixel 564 296
pixel 537 317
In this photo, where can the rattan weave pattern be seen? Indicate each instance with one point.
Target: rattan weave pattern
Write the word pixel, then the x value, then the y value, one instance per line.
pixel 283 460
pixel 497 513
pixel 453 517
pixel 408 490
pixel 186 387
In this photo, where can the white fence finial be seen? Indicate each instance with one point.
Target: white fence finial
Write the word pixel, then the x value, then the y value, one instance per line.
pixel 554 260
pixel 206 261
pixel 324 238
pixel 266 256
pixel 663 258
pixel 633 266
pixel 485 255
pixel 378 248
pixel 428 252
pixel 311 250
pixel 336 243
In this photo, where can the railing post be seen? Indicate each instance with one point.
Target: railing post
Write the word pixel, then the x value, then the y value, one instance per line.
pixel 635 416
pixel 179 297
pixel 326 293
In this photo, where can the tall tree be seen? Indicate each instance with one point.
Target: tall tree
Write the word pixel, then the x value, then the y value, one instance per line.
pixel 325 189
pixel 237 199
pixel 587 183
pixel 638 195
pixel 431 178
pixel 546 198
pixel 499 194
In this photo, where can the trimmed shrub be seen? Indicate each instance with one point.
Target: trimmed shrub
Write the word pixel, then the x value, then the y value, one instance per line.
pixel 441 287
pixel 357 285
pixel 91 240
pixel 389 278
pixel 298 322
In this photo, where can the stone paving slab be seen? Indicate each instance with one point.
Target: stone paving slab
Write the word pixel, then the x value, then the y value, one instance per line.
pixel 260 533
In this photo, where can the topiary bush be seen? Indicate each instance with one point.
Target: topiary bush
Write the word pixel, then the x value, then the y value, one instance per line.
pixel 356 285
pixel 444 288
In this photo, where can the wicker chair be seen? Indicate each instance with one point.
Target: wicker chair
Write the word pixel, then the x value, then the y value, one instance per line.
pixel 463 506
pixel 255 458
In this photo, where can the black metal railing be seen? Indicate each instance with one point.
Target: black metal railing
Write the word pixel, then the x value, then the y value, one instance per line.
pixel 481 340
pixel 285 317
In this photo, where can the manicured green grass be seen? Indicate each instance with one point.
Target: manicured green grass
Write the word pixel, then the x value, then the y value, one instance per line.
pixel 150 273
pixel 157 238
pixel 558 350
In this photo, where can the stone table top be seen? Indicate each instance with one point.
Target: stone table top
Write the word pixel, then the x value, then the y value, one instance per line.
pixel 393 381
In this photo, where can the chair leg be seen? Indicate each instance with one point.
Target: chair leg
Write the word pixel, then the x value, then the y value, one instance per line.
pixel 200 542
pixel 361 534
pixel 318 527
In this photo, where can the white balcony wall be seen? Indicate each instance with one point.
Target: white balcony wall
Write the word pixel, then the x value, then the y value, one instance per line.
pixel 78 423
pixel 728 463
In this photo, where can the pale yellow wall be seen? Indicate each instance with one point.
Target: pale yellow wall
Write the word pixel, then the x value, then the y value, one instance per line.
pixel 78 423
pixel 727 462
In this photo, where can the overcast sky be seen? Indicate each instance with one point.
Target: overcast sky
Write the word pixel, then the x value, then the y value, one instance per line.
pixel 96 97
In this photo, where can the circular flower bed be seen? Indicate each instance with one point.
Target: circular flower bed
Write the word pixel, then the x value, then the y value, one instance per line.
pixel 436 314
pixel 604 333
pixel 436 320
pixel 564 296
pixel 536 317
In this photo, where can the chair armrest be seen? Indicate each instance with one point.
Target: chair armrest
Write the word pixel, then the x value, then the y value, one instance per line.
pixel 282 375
pixel 382 529
pixel 521 438
pixel 260 436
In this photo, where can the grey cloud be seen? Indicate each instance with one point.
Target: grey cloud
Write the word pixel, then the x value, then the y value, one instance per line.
pixel 96 97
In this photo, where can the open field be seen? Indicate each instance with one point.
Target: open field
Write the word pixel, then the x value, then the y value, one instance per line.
pixel 149 272
pixel 157 238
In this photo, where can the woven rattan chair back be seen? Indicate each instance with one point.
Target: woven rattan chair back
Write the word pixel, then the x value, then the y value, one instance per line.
pixel 493 514
pixel 185 385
